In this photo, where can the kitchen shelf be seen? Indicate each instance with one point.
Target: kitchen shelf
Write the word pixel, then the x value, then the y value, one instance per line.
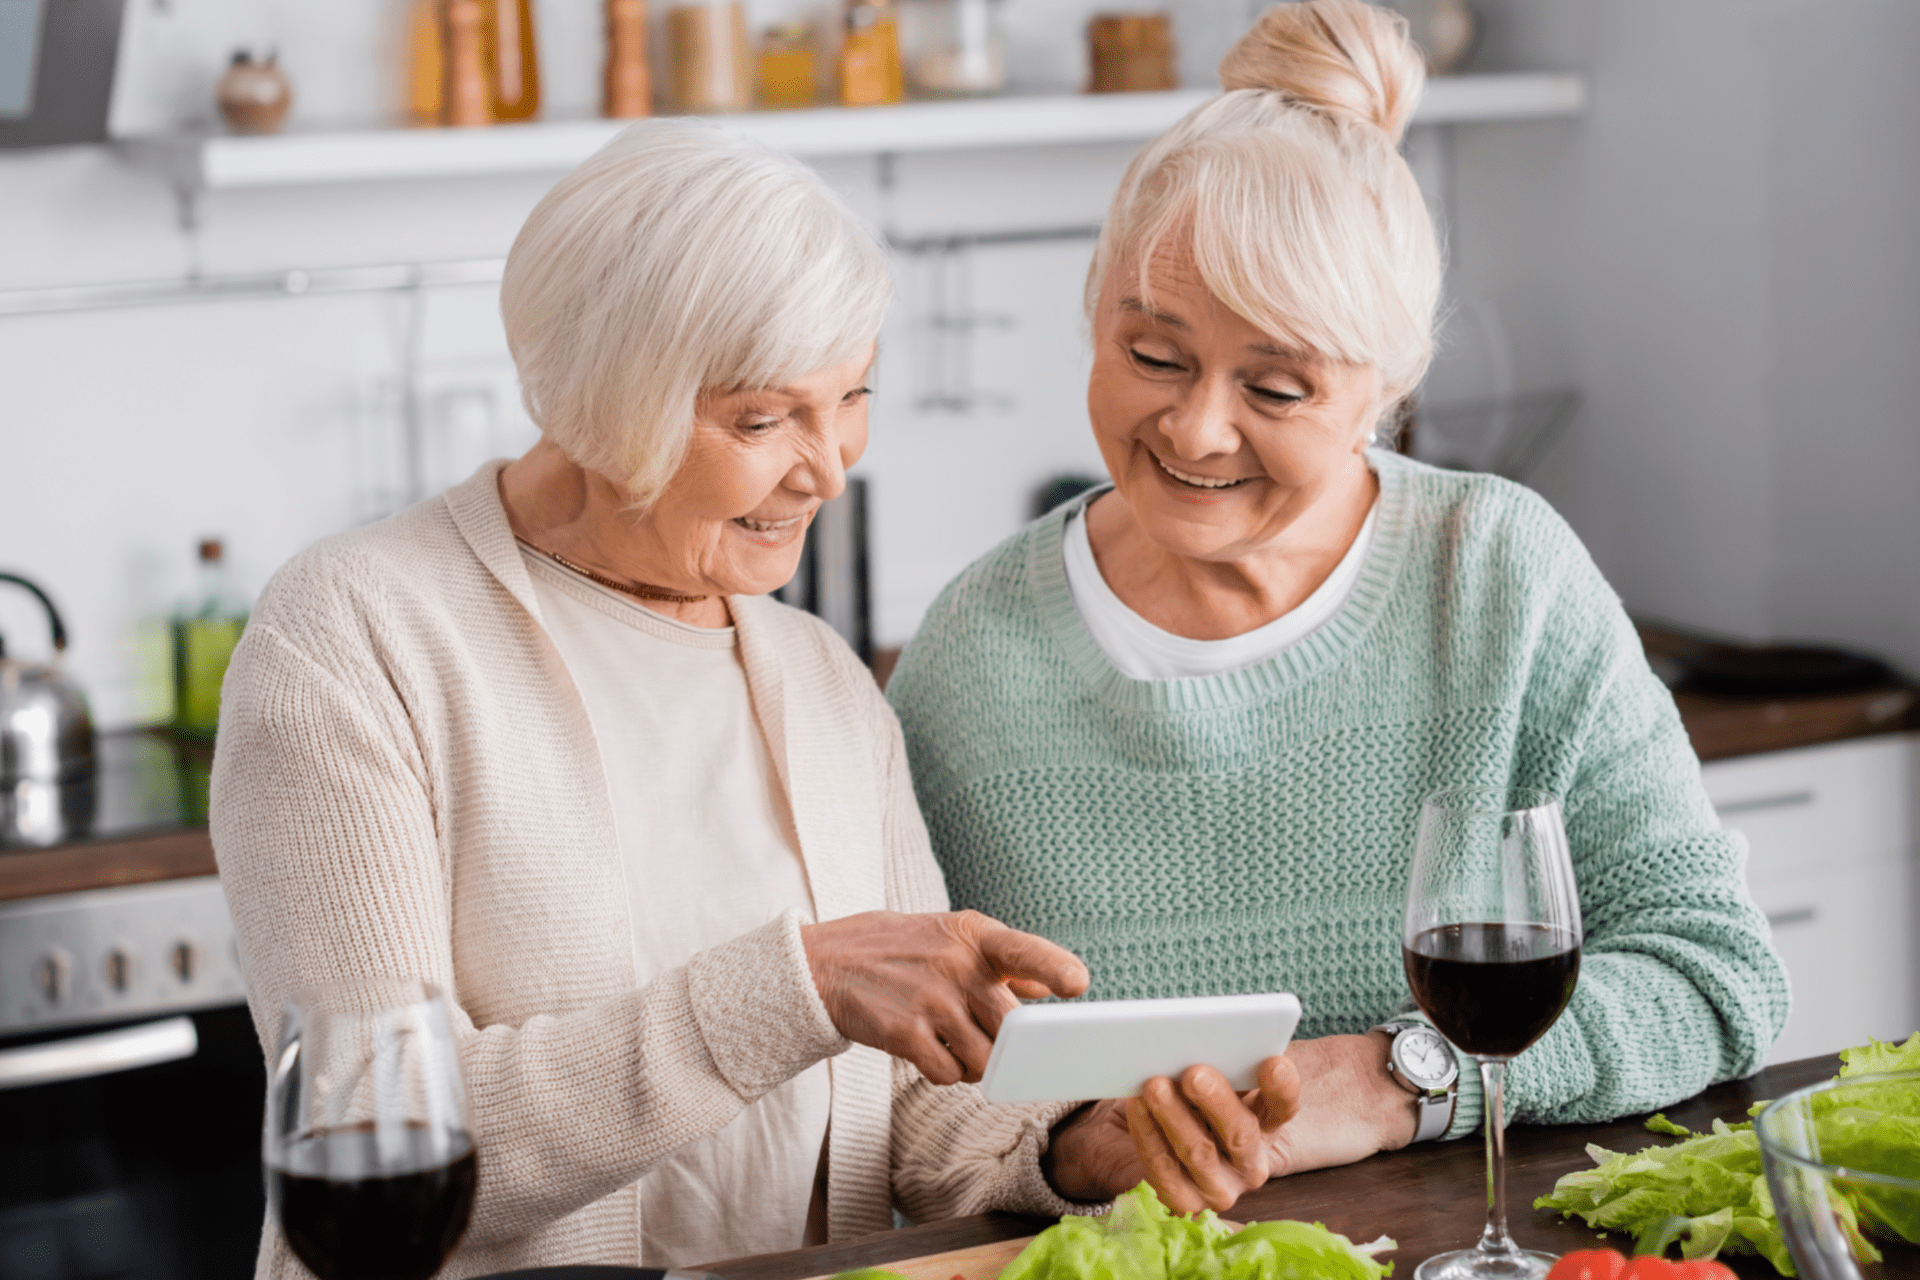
pixel 198 163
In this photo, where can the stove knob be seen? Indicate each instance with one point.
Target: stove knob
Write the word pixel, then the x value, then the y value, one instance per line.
pixel 119 969
pixel 184 960
pixel 53 975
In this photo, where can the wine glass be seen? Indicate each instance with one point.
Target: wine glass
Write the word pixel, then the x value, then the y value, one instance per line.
pixel 368 1144
pixel 1492 949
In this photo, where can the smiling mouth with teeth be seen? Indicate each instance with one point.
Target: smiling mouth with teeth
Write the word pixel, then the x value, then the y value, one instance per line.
pixel 1197 482
pixel 768 526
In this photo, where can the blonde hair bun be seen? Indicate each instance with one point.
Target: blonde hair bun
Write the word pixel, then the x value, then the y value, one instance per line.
pixel 1341 57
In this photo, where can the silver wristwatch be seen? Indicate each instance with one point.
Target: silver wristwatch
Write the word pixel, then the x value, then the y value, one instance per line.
pixel 1421 1062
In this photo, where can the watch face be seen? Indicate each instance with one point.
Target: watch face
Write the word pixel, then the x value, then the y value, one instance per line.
pixel 1424 1058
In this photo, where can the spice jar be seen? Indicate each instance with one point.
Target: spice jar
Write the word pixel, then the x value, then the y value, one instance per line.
pixel 787 66
pixel 870 56
pixel 253 96
pixel 629 89
pixel 710 68
pixel 954 48
pixel 1130 53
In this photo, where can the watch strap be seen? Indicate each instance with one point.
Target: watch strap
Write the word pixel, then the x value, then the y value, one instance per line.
pixel 1433 1112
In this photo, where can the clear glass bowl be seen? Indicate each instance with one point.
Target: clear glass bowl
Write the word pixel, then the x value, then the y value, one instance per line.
pixel 1843 1166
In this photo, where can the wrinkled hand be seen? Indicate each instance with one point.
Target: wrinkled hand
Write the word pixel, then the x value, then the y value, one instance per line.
pixel 1325 1102
pixel 1182 1137
pixel 1350 1107
pixel 932 988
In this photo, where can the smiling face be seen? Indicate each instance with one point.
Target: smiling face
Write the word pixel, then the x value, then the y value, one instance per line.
pixel 1220 441
pixel 758 465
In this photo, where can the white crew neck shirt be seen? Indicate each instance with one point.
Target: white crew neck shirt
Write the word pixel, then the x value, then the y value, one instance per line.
pixel 1143 651
pixel 710 852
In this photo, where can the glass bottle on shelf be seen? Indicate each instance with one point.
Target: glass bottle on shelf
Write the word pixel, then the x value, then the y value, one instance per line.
pixel 513 63
pixel 870 73
pixel 629 87
pixel 467 99
pixel 426 64
pixel 954 48
pixel 710 67
pixel 787 66
pixel 205 631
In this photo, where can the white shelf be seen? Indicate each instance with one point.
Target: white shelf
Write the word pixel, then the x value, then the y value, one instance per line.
pixel 214 163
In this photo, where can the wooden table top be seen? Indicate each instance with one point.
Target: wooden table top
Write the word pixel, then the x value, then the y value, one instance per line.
pixel 1430 1198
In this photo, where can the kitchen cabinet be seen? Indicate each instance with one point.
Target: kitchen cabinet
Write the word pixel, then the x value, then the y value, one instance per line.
pixel 1832 839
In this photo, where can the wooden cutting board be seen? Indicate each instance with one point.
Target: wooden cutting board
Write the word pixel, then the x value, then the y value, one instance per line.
pixel 982 1262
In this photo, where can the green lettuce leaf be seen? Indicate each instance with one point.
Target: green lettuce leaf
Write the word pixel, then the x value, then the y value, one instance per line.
pixel 1658 1123
pixel 1709 1193
pixel 1877 1057
pixel 1140 1240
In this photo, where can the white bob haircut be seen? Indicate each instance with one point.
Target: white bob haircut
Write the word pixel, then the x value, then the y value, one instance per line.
pixel 680 259
pixel 1301 215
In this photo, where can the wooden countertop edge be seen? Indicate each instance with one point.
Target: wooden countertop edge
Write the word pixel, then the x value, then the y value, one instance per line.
pixel 103 864
pixel 1404 1179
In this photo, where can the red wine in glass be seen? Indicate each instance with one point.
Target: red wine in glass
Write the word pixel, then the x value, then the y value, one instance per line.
pixel 1491 942
pixel 369 1144
pixel 397 1224
pixel 1493 989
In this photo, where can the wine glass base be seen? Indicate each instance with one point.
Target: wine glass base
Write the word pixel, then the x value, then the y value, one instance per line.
pixel 1476 1264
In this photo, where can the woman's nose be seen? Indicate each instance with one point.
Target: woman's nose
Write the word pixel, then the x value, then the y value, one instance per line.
pixel 1200 423
pixel 823 471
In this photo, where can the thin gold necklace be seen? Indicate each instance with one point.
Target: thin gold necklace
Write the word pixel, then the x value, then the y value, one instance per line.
pixel 643 591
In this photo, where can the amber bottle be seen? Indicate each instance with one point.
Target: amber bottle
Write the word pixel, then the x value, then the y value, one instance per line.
pixel 426 63
pixel 629 89
pixel 513 64
pixel 870 72
pixel 468 97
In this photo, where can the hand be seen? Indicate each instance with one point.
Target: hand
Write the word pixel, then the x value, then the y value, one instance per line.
pixel 1326 1102
pixel 1181 1137
pixel 932 988
pixel 1203 1145
pixel 1350 1107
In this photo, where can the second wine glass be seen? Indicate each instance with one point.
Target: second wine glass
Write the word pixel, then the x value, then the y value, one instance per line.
pixel 1492 950
pixel 368 1145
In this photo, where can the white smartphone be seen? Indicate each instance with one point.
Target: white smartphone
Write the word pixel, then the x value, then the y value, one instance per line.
pixel 1109 1048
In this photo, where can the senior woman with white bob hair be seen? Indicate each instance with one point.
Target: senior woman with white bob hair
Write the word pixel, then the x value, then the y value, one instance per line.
pixel 542 742
pixel 1184 725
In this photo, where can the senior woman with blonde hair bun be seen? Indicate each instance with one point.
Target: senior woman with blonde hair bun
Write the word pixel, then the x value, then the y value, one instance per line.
pixel 1183 726
pixel 542 742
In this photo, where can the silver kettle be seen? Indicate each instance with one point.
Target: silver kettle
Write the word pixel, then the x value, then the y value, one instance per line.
pixel 46 731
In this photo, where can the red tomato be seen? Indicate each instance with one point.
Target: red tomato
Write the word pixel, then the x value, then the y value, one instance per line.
pixel 1588 1264
pixel 1605 1264
pixel 1651 1268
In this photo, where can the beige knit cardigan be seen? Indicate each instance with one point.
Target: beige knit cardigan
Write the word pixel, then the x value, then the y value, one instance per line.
pixel 407 783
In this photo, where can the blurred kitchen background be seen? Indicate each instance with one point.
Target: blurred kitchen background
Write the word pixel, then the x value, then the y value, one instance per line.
pixel 1715 250
pixel 1684 304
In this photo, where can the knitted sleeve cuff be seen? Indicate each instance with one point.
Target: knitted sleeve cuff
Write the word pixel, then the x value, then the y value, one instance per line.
pixel 956 1154
pixel 758 1010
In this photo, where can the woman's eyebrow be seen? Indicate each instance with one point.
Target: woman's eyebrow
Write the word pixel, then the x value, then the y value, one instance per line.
pixel 1283 353
pixel 1164 317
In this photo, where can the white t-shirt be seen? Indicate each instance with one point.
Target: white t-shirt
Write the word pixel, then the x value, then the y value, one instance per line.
pixel 1145 652
pixel 710 852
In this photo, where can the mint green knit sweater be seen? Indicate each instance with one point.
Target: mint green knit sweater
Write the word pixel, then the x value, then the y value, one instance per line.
pixel 1253 831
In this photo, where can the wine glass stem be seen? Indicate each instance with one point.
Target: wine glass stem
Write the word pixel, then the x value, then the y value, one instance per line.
pixel 1493 1081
